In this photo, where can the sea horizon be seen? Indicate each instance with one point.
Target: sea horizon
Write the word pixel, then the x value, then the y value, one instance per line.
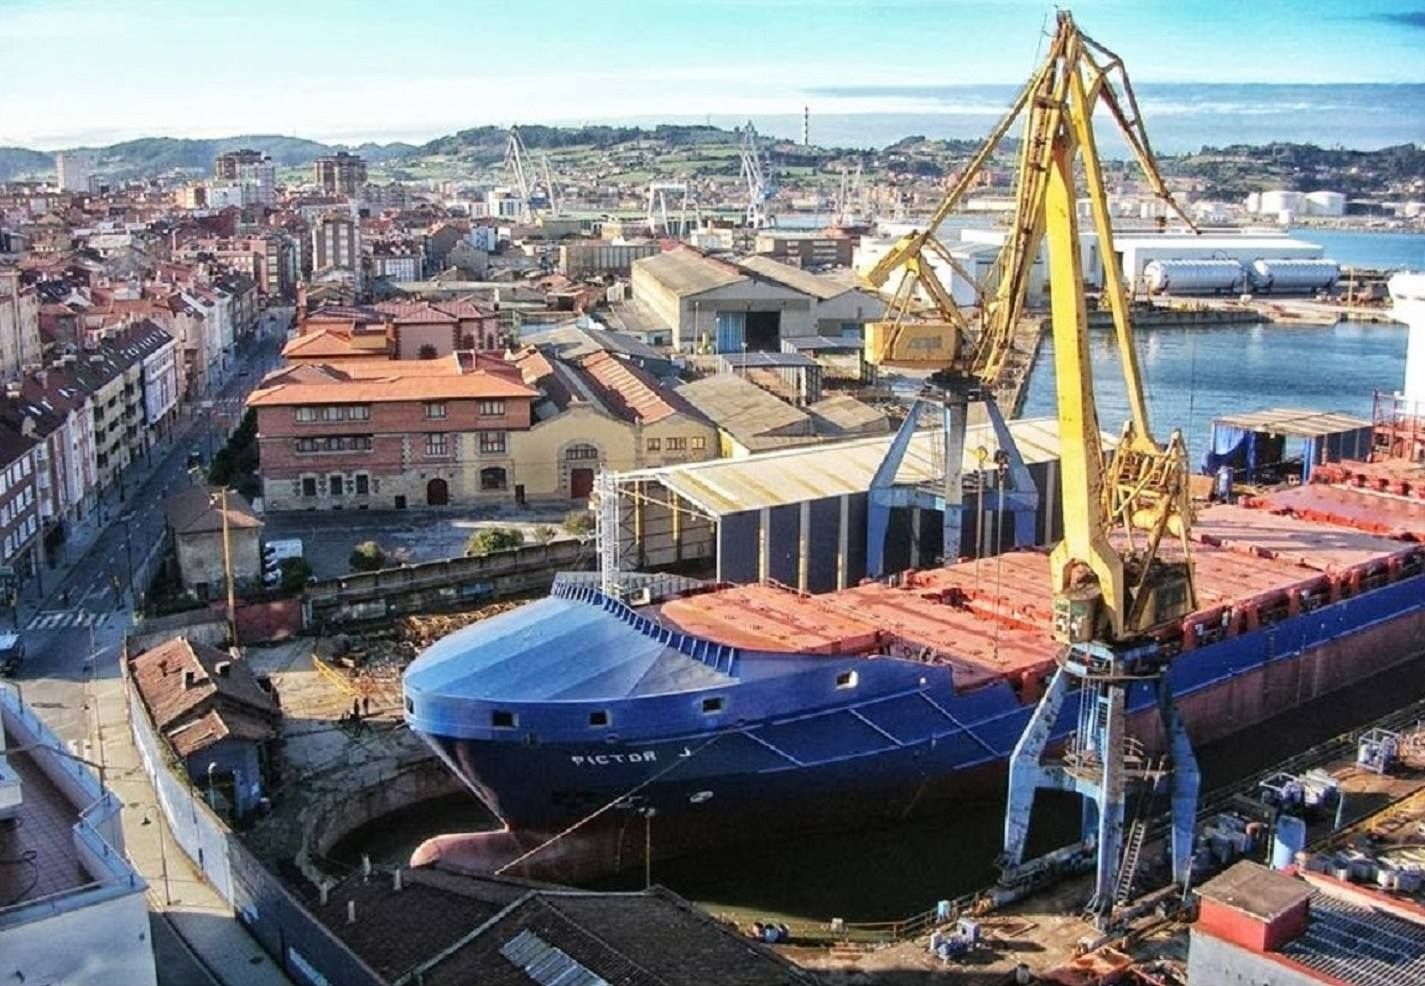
pixel 1181 117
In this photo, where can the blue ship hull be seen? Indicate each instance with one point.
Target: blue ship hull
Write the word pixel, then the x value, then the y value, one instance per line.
pixel 555 711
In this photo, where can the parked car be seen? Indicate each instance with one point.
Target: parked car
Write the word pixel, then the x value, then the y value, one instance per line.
pixel 12 653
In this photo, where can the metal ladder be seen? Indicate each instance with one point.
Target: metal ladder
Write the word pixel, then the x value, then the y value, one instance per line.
pixel 1132 849
pixel 1138 832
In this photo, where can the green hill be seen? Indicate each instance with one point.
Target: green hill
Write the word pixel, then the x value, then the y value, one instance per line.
pixel 149 156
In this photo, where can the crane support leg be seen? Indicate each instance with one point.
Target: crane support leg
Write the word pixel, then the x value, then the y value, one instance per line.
pixel 1187 780
pixel 1027 770
pixel 1110 794
pixel 954 413
pixel 880 499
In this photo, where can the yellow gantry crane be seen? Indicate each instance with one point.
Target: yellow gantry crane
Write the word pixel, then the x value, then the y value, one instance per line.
pixel 1114 583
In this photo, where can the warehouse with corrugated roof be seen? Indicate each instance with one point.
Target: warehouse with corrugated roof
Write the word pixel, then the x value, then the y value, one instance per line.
pixel 798 516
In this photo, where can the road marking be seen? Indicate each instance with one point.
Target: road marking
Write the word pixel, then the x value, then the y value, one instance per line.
pixel 61 619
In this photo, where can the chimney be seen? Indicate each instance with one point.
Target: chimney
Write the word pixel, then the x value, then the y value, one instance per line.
pixel 351 912
pixel 224 667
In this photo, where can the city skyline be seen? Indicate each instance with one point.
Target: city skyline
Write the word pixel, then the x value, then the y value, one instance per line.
pixel 368 75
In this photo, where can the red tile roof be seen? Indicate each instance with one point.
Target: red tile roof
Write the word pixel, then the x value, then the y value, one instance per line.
pixel 221 698
pixel 631 392
pixel 388 381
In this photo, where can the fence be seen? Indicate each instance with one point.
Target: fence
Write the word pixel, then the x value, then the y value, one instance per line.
pixel 441 584
pixel 299 943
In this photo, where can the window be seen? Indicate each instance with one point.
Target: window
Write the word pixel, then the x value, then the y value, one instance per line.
pixel 492 442
pixel 492 478
pixel 363 484
pixel 437 445
pixel 503 719
pixel 712 705
pixel 599 717
pixel 335 484
pixel 699 443
pixel 492 409
pixel 333 413
pixel 359 412
pixel 435 409
pixel 581 452
pixel 306 414
pixel 654 445
pixel 847 679
pixel 677 445
pixel 309 486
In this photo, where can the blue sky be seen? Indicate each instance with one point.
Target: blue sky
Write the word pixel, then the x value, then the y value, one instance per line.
pixel 99 70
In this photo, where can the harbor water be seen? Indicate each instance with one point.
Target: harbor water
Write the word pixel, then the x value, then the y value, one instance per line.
pixel 1192 375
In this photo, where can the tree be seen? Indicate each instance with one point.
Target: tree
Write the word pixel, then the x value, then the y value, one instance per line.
pixel 490 539
pixel 579 522
pixel 295 575
pixel 544 533
pixel 367 556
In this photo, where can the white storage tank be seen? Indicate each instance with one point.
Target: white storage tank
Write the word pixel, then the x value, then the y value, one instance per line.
pixel 1294 276
pixel 1254 202
pixel 1325 204
pixel 1281 200
pixel 1194 276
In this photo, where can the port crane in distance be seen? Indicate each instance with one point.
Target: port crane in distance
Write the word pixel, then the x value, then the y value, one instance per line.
pixel 1114 583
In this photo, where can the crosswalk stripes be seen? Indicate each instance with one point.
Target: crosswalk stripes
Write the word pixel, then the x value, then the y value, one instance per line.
pixel 60 619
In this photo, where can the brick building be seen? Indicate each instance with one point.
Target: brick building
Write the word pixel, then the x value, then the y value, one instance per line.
pixel 403 330
pixel 383 433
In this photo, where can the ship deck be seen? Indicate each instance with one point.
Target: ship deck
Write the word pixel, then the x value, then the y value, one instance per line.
pixel 989 618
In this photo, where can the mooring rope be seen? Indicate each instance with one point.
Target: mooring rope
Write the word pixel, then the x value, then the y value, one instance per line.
pixel 595 814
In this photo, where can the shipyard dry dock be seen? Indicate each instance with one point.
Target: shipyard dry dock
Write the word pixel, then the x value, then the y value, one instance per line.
pixel 746 712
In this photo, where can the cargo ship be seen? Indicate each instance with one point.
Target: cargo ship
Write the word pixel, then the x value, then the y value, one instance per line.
pixel 747 711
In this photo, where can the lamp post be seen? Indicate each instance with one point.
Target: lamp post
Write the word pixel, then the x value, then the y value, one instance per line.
pixel 648 814
pixel 162 853
pixel 228 566
pixel 212 799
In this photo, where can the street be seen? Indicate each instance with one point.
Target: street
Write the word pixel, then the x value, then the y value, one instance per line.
pixel 74 628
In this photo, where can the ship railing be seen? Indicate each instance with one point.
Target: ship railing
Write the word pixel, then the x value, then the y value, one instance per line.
pixel 720 657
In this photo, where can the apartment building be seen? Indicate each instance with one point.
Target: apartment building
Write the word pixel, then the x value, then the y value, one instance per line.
pixel 341 173
pixel 270 259
pixel 49 407
pixel 228 165
pixel 19 326
pixel 386 433
pixel 336 250
pixel 74 169
pixel 19 502
pixel 152 353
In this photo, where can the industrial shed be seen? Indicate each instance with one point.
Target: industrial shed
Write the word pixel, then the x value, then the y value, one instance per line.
pixel 707 300
pixel 1285 444
pixel 798 516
